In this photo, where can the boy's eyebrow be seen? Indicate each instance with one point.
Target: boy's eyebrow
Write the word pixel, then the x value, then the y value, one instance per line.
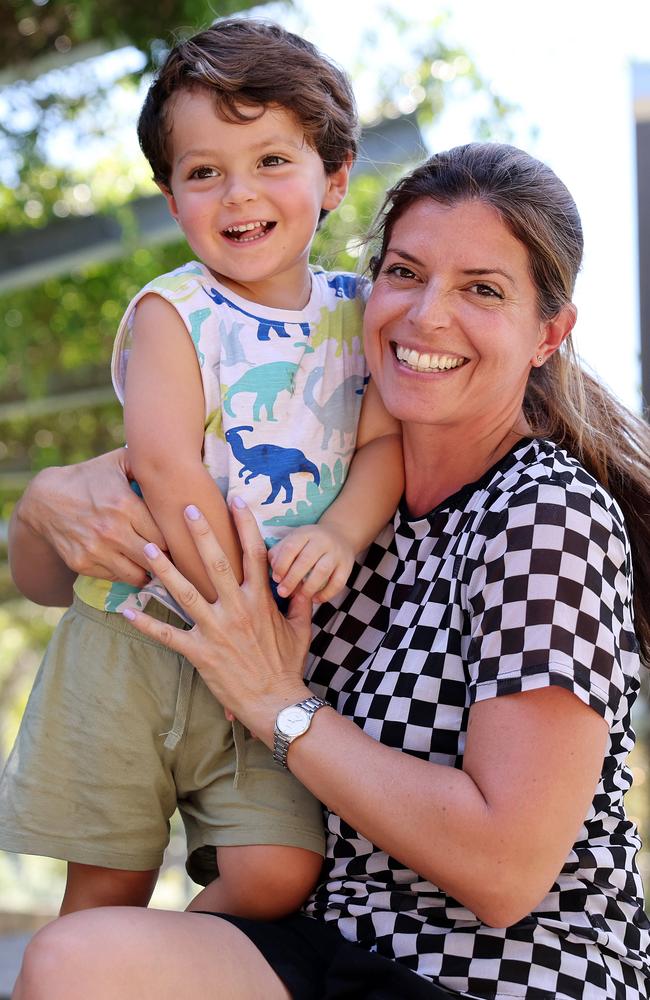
pixel 267 143
pixel 477 272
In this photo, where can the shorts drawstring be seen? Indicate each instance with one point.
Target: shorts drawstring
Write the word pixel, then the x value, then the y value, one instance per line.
pixel 239 737
pixel 175 734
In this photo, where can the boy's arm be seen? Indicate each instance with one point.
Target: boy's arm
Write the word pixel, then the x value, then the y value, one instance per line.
pixel 164 419
pixel 321 555
pixel 375 480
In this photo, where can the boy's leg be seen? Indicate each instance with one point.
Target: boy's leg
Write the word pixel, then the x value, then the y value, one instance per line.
pixel 262 882
pixel 89 886
pixel 267 828
pixel 89 780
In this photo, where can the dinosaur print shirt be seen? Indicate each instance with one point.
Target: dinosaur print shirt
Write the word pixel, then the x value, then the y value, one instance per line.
pixel 282 390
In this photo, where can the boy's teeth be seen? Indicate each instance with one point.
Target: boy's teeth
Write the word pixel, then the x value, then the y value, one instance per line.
pixel 245 228
pixel 427 362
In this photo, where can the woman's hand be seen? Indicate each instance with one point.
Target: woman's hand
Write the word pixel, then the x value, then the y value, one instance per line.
pixel 250 656
pixel 80 518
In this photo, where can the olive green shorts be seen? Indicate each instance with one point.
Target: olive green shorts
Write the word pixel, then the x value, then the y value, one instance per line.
pixel 118 732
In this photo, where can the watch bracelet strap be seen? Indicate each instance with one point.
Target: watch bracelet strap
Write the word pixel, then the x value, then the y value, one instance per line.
pixel 281 743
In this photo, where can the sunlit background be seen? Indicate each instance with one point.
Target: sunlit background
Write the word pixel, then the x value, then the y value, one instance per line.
pixel 556 78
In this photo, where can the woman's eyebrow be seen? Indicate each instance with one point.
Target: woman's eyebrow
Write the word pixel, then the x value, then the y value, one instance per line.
pixel 404 255
pixel 471 272
pixel 481 272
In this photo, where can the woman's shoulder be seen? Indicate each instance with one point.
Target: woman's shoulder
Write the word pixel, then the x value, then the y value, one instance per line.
pixel 543 474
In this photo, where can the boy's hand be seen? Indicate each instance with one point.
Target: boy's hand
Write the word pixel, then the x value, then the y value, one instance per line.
pixel 316 556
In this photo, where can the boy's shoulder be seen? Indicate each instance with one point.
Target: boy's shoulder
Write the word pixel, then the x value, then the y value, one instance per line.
pixel 178 282
pixel 343 284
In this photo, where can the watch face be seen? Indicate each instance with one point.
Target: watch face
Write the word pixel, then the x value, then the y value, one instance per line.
pixel 293 721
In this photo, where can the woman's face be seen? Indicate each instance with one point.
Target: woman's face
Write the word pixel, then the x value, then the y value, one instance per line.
pixel 452 325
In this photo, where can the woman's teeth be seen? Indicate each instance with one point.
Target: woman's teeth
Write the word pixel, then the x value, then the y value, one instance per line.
pixel 427 362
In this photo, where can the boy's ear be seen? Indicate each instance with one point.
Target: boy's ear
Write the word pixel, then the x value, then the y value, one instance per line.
pixel 169 198
pixel 337 184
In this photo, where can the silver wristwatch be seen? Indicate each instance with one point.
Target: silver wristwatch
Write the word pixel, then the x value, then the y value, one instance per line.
pixel 292 722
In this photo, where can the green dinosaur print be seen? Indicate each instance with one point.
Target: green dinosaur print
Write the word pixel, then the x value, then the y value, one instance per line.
pixel 183 285
pixel 343 326
pixel 197 319
pixel 266 382
pixel 214 424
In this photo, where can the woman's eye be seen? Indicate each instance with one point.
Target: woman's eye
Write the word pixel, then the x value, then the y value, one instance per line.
pixel 486 291
pixel 273 161
pixel 200 173
pixel 399 271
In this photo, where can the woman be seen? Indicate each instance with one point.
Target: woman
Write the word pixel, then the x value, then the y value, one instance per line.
pixel 480 667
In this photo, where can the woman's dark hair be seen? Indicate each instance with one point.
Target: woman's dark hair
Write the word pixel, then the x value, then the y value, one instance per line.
pixel 562 401
pixel 246 63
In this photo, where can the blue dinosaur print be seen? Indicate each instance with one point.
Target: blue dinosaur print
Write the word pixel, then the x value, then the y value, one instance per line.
pixel 270 460
pixel 264 324
pixel 345 285
pixel 319 496
pixel 197 318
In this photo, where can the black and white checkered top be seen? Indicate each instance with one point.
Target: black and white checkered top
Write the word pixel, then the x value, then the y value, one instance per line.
pixel 518 581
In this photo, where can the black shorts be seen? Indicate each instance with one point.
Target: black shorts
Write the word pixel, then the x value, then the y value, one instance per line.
pixel 315 962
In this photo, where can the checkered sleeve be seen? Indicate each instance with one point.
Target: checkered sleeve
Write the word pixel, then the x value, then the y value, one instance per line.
pixel 550 598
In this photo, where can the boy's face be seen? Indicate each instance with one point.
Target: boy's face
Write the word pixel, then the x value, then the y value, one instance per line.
pixel 248 197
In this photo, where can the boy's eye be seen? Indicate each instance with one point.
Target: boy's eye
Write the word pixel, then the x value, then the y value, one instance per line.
pixel 200 173
pixel 273 161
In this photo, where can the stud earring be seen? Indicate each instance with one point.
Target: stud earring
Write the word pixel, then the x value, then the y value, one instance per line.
pixel 540 359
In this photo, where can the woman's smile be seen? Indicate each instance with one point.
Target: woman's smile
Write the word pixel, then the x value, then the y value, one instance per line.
pixel 418 361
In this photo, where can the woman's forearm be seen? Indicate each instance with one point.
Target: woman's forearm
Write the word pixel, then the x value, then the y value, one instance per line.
pixel 75 519
pixel 494 835
pixel 36 568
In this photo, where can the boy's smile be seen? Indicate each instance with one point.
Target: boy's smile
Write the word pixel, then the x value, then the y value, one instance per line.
pixel 248 197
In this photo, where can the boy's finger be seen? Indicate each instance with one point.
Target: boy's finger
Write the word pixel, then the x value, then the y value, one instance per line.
pixel 318 577
pixel 336 582
pixel 301 571
pixel 288 550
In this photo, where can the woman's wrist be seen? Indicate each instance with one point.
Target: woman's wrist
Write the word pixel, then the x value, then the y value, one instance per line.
pixel 266 710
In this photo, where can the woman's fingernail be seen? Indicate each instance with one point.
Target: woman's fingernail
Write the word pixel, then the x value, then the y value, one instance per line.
pixel 151 551
pixel 192 513
pixel 129 614
pixel 238 502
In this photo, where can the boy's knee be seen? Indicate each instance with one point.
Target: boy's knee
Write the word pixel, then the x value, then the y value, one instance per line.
pixel 276 880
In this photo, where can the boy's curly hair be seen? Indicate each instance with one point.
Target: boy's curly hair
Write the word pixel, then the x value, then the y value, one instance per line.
pixel 250 63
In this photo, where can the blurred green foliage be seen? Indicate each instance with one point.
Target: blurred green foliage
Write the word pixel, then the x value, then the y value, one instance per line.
pixel 30 29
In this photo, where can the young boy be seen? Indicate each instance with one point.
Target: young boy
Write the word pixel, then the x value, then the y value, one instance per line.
pixel 241 372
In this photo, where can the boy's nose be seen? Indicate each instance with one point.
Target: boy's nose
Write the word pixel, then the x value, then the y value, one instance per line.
pixel 238 190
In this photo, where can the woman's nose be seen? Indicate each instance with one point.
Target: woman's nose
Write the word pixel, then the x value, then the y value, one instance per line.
pixel 431 309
